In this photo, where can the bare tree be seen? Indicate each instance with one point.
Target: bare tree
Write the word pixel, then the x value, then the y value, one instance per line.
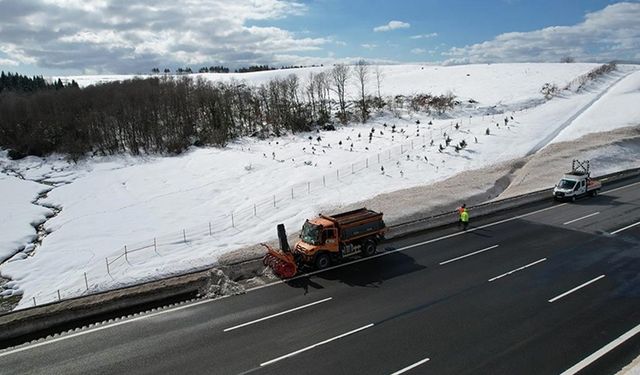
pixel 361 70
pixel 339 76
pixel 379 77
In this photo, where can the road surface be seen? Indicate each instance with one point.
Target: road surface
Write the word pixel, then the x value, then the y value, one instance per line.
pixel 535 290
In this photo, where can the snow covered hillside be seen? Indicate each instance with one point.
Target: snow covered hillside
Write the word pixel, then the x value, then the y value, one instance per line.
pixel 180 213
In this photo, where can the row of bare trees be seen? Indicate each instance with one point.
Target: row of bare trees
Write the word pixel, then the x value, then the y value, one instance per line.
pixel 168 114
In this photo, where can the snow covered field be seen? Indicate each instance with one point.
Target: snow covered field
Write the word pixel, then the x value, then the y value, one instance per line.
pixel 180 213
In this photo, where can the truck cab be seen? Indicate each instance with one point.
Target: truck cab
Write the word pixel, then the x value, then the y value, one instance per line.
pixel 570 187
pixel 328 239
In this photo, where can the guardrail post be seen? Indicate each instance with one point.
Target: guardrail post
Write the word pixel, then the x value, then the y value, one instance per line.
pixel 233 224
pixel 106 260
pixel 59 298
pixel 34 301
pixel 86 282
pixel 155 243
pixel 255 211
pixel 126 254
pixel 210 233
pixel 184 235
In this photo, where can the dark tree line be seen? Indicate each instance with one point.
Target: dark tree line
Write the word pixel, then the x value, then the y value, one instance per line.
pixel 154 115
pixel 168 114
pixel 254 68
pixel 21 83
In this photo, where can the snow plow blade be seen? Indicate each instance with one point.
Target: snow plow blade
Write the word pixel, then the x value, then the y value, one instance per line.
pixel 282 263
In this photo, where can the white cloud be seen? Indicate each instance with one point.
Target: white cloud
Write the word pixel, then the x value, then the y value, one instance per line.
pixel 418 51
pixel 136 35
pixel 392 25
pixel 607 34
pixel 424 36
pixel 7 62
pixel 369 45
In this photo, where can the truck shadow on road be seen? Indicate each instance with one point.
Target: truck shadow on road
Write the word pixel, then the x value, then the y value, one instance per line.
pixel 369 273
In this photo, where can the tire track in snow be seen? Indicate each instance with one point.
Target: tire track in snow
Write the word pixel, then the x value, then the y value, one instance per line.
pixel 544 142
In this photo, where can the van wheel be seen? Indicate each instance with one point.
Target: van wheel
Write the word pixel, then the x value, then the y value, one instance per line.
pixel 323 261
pixel 368 248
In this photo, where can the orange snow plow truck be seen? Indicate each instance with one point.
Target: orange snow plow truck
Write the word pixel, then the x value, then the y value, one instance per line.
pixel 326 240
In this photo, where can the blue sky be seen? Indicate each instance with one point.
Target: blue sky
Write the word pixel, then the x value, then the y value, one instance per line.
pixel 53 37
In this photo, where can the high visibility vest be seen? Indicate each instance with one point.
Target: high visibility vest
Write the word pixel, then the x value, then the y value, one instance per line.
pixel 464 216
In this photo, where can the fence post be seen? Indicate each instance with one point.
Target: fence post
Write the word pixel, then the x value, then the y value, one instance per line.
pixel 184 235
pixel 324 182
pixel 255 210
pixel 34 301
pixel 106 260
pixel 210 233
pixel 233 224
pixel 86 282
pixel 291 192
pixel 274 200
pixel 126 255
pixel 59 299
pixel 351 168
pixel 338 174
pixel 155 246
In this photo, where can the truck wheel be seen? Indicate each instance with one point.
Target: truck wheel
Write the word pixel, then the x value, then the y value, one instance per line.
pixel 368 248
pixel 323 261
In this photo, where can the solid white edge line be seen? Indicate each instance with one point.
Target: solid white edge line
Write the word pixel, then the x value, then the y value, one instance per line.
pixel 316 345
pixel 277 282
pixel 625 228
pixel 581 218
pixel 517 269
pixel 91 330
pixel 277 314
pixel 621 187
pixel 410 367
pixel 297 277
pixel 601 352
pixel 468 255
pixel 574 289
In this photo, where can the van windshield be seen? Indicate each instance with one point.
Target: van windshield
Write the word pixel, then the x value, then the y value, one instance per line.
pixel 311 233
pixel 566 184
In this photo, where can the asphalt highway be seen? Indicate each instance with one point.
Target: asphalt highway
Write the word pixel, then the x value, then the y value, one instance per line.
pixel 543 289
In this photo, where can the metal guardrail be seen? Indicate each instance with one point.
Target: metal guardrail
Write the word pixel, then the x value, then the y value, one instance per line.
pixel 34 319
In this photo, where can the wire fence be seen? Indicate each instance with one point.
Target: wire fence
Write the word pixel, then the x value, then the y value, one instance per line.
pixel 244 217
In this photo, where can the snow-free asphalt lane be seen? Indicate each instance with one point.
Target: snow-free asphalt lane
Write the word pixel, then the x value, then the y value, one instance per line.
pixel 530 291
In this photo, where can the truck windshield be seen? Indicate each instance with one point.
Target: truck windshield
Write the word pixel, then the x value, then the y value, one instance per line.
pixel 311 233
pixel 566 184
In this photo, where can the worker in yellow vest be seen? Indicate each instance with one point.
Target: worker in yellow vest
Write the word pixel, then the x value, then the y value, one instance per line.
pixel 464 218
